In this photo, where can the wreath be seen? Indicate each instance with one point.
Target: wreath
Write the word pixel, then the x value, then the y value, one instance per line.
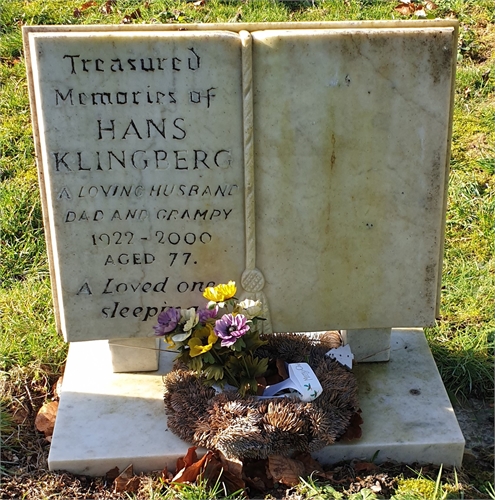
pixel 243 426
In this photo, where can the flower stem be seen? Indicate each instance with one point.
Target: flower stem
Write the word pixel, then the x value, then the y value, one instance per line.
pixel 233 380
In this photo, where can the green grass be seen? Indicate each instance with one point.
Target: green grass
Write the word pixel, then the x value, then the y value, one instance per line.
pixel 463 339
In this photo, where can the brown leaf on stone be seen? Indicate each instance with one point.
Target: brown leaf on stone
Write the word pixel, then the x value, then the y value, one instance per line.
pixel 190 473
pixel 112 474
pixel 214 472
pixel 187 460
pixel 127 481
pixel 45 419
pixel 285 470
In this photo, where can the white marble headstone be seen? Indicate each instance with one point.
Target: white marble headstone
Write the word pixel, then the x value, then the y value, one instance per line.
pixel 307 162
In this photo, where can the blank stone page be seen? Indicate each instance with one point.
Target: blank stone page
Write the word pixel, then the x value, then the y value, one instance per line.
pixel 351 145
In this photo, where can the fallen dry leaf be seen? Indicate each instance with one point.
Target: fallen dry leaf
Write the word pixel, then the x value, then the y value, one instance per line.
pixel 112 474
pixel 20 415
pixel 310 464
pixel 214 472
pixel 45 419
pixel 210 467
pixel 127 481
pixel 167 475
pixel 87 5
pixel 255 475
pixel 190 473
pixel 129 17
pixel 430 5
pixel 285 470
pixel 406 9
pixel 365 467
pixel 187 460
pixel 107 8
pixel 232 465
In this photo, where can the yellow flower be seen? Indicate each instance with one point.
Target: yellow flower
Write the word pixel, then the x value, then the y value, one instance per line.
pixel 220 293
pixel 212 338
pixel 169 341
pixel 197 348
pixel 201 332
pixel 196 343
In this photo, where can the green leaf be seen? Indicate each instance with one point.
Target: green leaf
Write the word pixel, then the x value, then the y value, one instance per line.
pixel 214 372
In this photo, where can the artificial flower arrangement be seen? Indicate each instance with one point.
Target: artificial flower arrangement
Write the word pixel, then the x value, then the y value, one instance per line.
pixel 217 342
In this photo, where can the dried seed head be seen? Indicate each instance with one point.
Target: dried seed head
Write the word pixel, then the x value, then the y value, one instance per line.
pixel 250 428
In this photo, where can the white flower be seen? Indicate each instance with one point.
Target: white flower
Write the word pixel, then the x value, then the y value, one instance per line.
pixel 180 337
pixel 190 318
pixel 250 308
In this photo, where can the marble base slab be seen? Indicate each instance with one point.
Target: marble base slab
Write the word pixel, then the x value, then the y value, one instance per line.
pixel 108 419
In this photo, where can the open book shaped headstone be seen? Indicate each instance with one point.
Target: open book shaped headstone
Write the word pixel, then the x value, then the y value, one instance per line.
pixel 307 161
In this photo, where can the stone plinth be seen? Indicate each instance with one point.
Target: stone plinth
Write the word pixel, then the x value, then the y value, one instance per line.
pixel 135 355
pixel 111 419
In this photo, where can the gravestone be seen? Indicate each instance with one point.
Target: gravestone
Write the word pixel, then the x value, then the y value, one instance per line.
pixel 308 162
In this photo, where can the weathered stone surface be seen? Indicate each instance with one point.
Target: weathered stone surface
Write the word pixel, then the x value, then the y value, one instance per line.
pixel 142 172
pixel 351 154
pixel 311 162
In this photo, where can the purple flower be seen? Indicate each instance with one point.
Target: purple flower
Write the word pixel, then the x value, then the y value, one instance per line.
pixel 167 321
pixel 229 328
pixel 206 314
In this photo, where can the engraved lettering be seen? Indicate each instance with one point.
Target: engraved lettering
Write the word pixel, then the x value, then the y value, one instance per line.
pixel 67 96
pixel 60 161
pixel 106 129
pixel 85 289
pixel 103 98
pixel 193 62
pixel 149 67
pixel 117 66
pixel 72 65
